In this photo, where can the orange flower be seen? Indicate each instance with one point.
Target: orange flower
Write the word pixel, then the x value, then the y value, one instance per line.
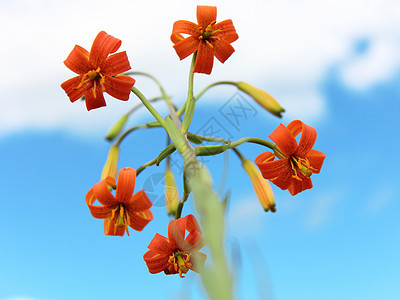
pixel 208 38
pixel 297 162
pixel 175 254
pixel 98 72
pixel 123 209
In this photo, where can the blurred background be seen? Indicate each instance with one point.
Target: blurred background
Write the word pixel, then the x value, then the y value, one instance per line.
pixel 333 64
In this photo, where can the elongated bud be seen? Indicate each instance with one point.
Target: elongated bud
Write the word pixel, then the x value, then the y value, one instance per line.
pixel 171 193
pixel 116 128
pixel 262 98
pixel 261 186
pixel 111 166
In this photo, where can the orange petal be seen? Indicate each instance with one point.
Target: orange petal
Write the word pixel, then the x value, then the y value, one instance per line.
pixel 316 159
pixel 156 262
pixel 206 15
pixel 111 229
pixel 194 241
pixel 176 38
pixel 227 31
pixel 70 85
pixel 100 212
pixel 78 61
pixel 138 202
pixel 139 220
pixel 119 87
pixel 284 139
pixel 115 64
pixel 103 194
pixel 298 186
pixel 278 171
pixel 186 47
pixel 205 59
pixel 91 101
pixel 125 184
pixel 308 136
pixel 222 50
pixel 160 244
pixel 186 27
pixel 103 45
pixel 176 231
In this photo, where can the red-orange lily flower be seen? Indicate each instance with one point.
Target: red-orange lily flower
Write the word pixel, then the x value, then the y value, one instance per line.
pixel 208 38
pixel 98 72
pixel 123 209
pixel 177 254
pixel 297 162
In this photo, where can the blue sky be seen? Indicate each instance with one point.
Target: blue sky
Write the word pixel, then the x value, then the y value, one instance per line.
pixel 339 240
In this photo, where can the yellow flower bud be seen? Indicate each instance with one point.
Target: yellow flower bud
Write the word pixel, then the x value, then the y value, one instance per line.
pixel 171 193
pixel 111 166
pixel 261 186
pixel 262 98
pixel 116 128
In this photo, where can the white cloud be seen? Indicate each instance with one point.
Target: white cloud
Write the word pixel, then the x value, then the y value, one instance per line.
pixel 284 47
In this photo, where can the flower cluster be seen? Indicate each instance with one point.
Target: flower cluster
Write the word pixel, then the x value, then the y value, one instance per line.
pixel 102 70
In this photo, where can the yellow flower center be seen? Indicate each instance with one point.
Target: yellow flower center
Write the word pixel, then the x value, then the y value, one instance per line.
pixel 303 165
pixel 96 77
pixel 179 262
pixel 209 33
pixel 121 216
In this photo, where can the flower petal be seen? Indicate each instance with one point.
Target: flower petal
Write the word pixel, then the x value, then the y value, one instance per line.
pixel 284 139
pixel 278 171
pixel 125 184
pixel 176 38
pixel 222 50
pixel 206 15
pixel 316 159
pixel 103 194
pixel 227 31
pixel 103 45
pixel 298 186
pixel 176 231
pixel 91 101
pixel 70 85
pixel 198 259
pixel 308 136
pixel 100 212
pixel 205 58
pixel 156 262
pixel 186 47
pixel 78 61
pixel 110 228
pixel 115 64
pixel 160 244
pixel 119 87
pixel 186 27
pixel 138 202
pixel 139 220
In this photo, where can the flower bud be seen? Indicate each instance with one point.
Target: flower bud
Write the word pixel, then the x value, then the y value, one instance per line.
pixel 171 193
pixel 261 186
pixel 262 98
pixel 116 128
pixel 111 166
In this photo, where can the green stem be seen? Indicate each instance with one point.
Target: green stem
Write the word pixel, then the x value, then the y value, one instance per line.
pixel 126 133
pixel 180 206
pixel 148 105
pixel 146 165
pixel 190 99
